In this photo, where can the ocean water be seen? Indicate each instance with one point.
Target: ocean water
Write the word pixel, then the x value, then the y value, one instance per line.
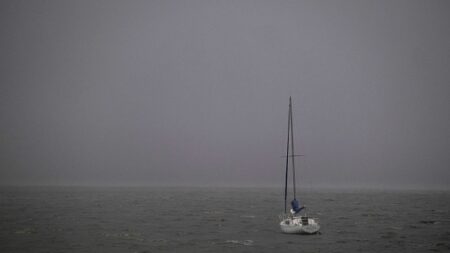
pixel 119 219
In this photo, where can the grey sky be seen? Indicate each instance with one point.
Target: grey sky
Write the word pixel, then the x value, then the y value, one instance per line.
pixel 196 92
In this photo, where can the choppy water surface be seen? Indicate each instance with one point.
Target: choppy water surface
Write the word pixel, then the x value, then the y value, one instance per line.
pixel 71 219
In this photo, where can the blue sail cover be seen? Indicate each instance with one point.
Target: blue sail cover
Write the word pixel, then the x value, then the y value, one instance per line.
pixel 296 206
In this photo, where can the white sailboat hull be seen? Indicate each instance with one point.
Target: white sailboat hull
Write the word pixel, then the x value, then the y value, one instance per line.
pixel 299 225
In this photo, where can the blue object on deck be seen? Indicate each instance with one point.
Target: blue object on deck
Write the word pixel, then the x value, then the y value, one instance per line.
pixel 296 206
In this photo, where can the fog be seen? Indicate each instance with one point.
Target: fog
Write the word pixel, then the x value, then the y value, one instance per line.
pixel 197 92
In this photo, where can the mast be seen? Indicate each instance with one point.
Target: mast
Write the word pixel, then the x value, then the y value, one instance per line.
pixel 287 157
pixel 292 148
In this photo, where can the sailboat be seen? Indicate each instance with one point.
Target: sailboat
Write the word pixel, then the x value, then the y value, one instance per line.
pixel 293 222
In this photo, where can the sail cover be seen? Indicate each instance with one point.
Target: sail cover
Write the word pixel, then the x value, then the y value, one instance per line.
pixel 296 208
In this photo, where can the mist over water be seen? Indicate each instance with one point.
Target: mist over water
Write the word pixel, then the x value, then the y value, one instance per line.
pixel 196 92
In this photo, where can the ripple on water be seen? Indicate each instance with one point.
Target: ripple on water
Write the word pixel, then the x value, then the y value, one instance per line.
pixel 243 242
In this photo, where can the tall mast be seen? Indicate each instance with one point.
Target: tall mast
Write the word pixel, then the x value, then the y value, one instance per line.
pixel 292 147
pixel 287 158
